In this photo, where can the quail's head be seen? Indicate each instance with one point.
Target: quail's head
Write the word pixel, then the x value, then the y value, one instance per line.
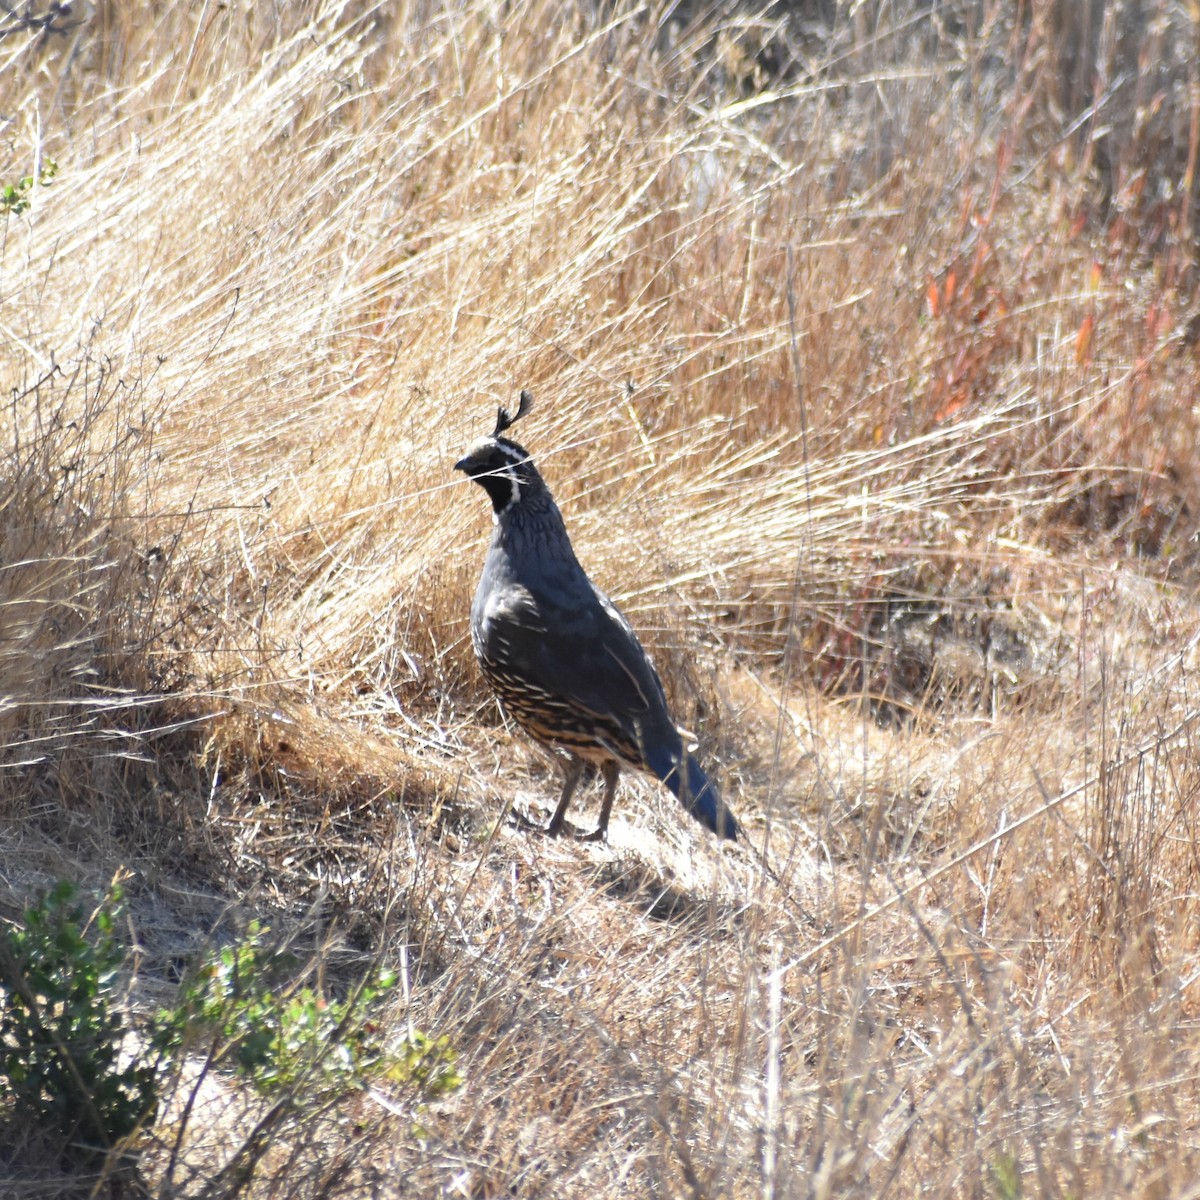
pixel 499 465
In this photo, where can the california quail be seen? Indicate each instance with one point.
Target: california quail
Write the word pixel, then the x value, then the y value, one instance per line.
pixel 562 660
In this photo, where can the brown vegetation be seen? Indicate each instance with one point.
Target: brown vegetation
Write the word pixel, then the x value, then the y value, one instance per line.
pixel 865 370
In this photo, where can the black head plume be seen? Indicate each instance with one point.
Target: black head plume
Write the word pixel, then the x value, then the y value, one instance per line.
pixel 504 419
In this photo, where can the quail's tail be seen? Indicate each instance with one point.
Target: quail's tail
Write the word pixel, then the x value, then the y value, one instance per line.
pixel 700 796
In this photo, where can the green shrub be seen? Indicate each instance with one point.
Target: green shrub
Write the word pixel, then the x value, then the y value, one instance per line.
pixel 60 1037
pixel 248 1004
pixel 246 1007
pixel 16 197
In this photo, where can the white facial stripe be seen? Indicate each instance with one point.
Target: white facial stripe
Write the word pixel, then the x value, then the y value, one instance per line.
pixel 511 476
pixel 508 471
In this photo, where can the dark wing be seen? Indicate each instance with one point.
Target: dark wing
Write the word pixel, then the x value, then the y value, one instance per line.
pixel 575 674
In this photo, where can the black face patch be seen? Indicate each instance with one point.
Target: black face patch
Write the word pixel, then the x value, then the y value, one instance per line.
pixel 501 468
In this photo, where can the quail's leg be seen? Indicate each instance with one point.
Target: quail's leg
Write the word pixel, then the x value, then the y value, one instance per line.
pixel 612 770
pixel 572 770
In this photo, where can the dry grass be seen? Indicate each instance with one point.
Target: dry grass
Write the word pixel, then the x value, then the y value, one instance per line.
pixel 865 380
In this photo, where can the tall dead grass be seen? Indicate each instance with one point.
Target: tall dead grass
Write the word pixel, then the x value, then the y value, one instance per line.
pixel 862 396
